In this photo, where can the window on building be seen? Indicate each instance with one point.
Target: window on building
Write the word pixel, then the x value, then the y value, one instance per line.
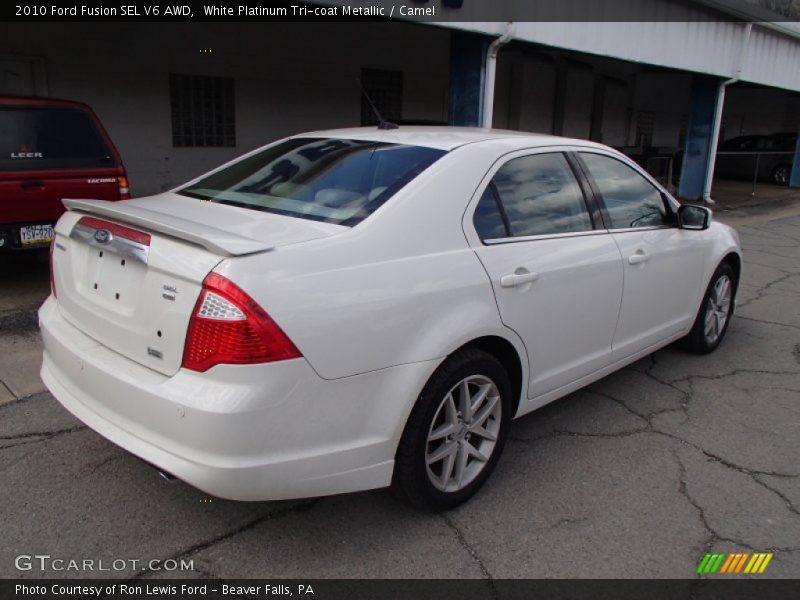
pixel 385 89
pixel 202 110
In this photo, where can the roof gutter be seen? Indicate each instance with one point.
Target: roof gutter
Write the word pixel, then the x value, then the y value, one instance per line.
pixel 490 71
pixel 712 159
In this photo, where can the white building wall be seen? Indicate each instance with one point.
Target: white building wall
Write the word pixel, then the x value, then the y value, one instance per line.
pixel 300 76
pixel 772 59
pixel 289 78
pixel 709 47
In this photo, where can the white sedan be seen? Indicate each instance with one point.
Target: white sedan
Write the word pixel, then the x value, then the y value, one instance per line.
pixel 352 309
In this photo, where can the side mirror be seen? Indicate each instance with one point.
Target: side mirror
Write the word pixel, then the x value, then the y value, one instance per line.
pixel 696 218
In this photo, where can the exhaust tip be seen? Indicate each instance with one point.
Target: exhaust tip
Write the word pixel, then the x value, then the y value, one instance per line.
pixel 166 476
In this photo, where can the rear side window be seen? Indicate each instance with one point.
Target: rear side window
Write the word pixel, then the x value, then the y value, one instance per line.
pixel 323 179
pixel 739 144
pixel 532 195
pixel 630 200
pixel 488 219
pixel 50 138
pixel 784 142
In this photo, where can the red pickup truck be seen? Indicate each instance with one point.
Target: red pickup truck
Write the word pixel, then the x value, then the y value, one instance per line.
pixel 49 150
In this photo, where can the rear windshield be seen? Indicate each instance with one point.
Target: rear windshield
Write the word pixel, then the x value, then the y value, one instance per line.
pixel 323 179
pixel 50 138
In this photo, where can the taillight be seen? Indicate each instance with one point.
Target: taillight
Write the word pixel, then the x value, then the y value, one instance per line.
pixel 124 188
pixel 52 272
pixel 228 326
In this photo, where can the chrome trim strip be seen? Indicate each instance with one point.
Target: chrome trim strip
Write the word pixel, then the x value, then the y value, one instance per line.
pixel 546 236
pixel 118 245
pixel 648 228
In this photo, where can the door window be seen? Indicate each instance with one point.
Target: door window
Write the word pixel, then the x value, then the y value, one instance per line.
pixel 532 195
pixel 631 201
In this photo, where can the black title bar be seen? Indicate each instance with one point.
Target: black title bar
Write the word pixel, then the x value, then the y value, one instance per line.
pixel 732 588
pixel 414 10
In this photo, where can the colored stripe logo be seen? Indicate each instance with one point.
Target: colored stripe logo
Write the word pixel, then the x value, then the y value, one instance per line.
pixel 734 563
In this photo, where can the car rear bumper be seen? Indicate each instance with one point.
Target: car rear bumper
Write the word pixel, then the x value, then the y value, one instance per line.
pixel 257 432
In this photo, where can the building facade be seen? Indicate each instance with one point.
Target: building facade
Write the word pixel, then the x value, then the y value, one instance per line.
pixel 180 98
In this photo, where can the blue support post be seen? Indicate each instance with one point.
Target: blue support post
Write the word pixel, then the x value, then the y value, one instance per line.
pixel 794 179
pixel 467 63
pixel 697 151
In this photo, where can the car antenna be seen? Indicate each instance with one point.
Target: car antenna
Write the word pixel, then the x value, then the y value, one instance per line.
pixel 382 123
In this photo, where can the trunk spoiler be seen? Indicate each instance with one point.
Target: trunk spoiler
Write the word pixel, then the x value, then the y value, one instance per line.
pixel 211 238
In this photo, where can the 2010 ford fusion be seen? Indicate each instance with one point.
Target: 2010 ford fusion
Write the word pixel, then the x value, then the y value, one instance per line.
pixel 353 309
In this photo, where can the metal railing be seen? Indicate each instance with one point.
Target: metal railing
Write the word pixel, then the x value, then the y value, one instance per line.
pixel 773 167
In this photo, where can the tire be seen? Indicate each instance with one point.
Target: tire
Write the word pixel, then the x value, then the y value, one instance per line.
pixel 780 174
pixel 708 330
pixel 439 410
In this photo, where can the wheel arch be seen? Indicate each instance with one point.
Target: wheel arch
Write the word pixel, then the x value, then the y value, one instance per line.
pixel 735 261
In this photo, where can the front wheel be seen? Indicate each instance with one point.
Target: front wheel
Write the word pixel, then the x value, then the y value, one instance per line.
pixel 456 431
pixel 715 312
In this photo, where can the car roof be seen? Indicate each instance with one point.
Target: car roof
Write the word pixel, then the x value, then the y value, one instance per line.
pixel 446 138
pixel 40 101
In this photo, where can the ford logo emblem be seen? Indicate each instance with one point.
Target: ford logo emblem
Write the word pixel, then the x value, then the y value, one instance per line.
pixel 102 236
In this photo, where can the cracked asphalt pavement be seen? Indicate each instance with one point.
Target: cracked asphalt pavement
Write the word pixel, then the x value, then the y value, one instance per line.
pixel 670 458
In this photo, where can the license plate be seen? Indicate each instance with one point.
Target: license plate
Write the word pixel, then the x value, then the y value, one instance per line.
pixel 35 234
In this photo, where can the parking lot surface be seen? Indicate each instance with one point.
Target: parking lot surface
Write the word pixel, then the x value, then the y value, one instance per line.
pixel 638 475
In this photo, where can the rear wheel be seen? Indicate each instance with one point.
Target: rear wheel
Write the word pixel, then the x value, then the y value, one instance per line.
pixel 456 432
pixel 715 312
pixel 781 174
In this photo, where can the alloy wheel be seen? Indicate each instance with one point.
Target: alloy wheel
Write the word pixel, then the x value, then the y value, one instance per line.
pixel 781 175
pixel 718 309
pixel 463 433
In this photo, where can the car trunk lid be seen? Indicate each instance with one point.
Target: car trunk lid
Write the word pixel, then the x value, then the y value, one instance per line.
pixel 129 274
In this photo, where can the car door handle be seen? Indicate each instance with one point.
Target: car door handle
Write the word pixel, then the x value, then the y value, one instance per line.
pixel 32 183
pixel 517 279
pixel 640 257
